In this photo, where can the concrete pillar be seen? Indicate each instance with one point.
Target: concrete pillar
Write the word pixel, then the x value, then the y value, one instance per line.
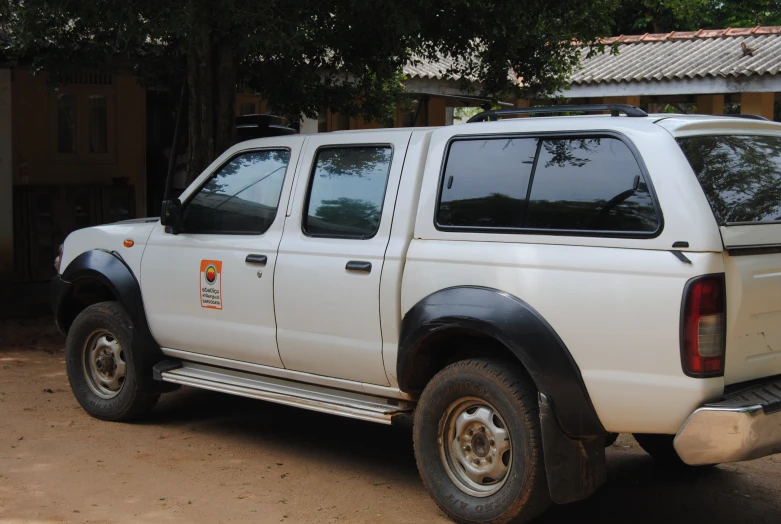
pixel 308 125
pixel 436 111
pixel 6 173
pixel 710 104
pixel 757 104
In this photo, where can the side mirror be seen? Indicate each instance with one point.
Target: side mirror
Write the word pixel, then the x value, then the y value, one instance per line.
pixel 171 215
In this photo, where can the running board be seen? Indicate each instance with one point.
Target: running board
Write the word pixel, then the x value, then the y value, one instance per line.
pixel 287 392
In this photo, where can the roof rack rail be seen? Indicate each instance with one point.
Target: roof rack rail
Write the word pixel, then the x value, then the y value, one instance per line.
pixel 750 117
pixel 615 110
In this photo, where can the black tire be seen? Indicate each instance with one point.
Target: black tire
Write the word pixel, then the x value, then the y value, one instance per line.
pixel 505 387
pixel 661 448
pixel 107 319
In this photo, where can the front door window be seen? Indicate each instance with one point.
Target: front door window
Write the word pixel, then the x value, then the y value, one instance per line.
pixel 241 198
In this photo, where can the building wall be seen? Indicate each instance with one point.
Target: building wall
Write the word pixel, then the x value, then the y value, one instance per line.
pixel 6 194
pixel 36 161
pixel 332 121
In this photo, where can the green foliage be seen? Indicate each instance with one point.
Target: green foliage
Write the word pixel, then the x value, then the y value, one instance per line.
pixel 304 55
pixel 465 113
pixel 296 53
pixel 742 13
pixel 661 16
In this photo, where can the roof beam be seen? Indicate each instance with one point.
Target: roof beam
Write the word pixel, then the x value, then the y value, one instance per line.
pixel 683 86
pixel 434 87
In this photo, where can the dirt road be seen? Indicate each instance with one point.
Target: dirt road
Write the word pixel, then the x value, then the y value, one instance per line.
pixel 207 457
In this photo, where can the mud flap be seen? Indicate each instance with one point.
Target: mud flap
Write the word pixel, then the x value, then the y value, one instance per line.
pixel 575 467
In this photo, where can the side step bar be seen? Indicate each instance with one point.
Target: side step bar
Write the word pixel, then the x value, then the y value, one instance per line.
pixel 307 396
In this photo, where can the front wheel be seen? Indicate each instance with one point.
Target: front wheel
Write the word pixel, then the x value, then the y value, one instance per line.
pixel 100 365
pixel 478 444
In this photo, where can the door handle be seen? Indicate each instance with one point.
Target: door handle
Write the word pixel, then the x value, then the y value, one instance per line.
pixel 358 265
pixel 256 259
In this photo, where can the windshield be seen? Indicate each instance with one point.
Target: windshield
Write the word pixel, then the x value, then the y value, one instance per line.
pixel 740 175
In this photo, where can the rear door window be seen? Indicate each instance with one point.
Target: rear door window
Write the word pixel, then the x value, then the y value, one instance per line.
pixel 590 184
pixel 486 182
pixel 740 175
pixel 347 191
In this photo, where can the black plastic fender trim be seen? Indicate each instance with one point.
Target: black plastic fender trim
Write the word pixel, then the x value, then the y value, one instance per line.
pixel 58 291
pixel 516 325
pixel 165 365
pixel 110 270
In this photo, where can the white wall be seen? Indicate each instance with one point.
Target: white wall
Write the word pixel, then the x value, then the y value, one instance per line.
pixel 450 116
pixel 308 125
pixel 6 184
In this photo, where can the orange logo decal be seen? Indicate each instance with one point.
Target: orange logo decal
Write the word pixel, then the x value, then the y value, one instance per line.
pixel 210 284
pixel 211 274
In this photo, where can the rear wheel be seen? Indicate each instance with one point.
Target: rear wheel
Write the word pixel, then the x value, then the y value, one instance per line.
pixel 99 363
pixel 478 444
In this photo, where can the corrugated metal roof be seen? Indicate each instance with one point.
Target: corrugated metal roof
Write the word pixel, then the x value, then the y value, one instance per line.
pixel 685 55
pixel 433 70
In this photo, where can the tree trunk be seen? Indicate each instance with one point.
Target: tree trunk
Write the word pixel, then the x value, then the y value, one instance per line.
pixel 211 82
pixel 224 129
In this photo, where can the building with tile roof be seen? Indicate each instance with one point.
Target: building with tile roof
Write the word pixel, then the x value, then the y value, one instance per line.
pixel 704 68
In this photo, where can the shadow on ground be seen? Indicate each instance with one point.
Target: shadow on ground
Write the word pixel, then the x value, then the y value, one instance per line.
pixel 637 489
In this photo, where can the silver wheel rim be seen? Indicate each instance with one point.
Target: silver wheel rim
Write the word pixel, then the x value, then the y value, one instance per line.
pixel 104 364
pixel 475 447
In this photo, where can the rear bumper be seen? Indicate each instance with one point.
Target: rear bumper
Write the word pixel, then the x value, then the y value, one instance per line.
pixel 744 425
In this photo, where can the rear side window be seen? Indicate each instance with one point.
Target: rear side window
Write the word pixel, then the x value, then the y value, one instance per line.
pixel 486 182
pixel 740 175
pixel 347 191
pixel 591 184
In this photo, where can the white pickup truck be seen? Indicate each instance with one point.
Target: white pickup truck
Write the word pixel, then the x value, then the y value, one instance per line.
pixel 521 289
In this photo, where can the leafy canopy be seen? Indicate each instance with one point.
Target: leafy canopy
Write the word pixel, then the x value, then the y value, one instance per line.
pixel 297 53
pixel 661 16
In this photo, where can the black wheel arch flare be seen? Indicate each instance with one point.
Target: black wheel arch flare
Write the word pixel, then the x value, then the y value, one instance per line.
pixel 110 270
pixel 521 329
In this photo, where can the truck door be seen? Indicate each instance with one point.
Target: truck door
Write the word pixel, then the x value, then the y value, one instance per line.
pixel 209 289
pixel 327 281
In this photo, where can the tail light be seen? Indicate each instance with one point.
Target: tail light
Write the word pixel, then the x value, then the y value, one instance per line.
pixel 703 327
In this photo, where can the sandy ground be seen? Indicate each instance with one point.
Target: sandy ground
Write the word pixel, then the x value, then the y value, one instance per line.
pixel 207 457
